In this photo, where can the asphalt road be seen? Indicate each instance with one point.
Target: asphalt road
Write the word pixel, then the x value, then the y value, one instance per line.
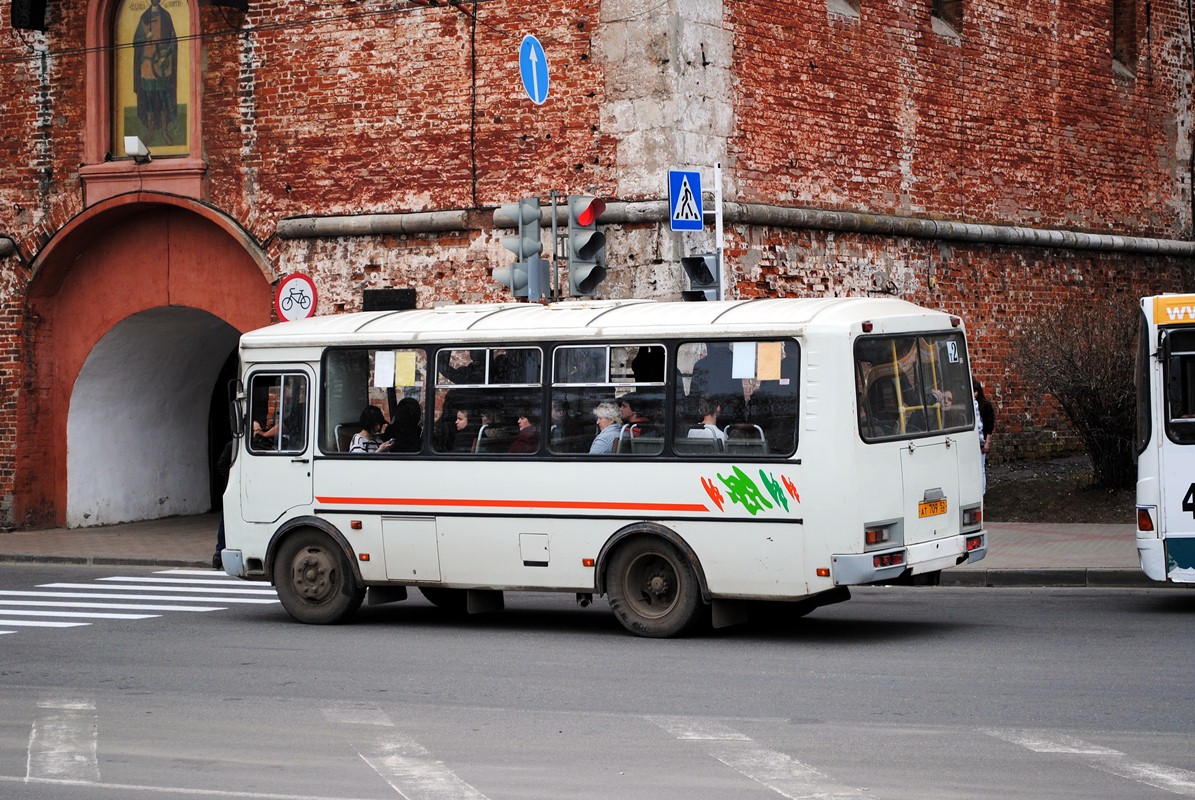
pixel 898 693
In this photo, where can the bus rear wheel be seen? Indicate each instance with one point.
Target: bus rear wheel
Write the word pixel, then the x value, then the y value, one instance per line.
pixel 314 580
pixel 653 588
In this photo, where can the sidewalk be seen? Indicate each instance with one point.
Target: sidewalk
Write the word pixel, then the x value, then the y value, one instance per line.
pixel 1019 554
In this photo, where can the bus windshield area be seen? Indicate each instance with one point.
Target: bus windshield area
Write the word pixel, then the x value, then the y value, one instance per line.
pixel 910 386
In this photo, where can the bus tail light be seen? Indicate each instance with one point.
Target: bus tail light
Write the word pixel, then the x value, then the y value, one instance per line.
pixel 1145 520
pixel 883 535
pixel 874 536
pixel 888 559
pixel 974 543
pixel 972 517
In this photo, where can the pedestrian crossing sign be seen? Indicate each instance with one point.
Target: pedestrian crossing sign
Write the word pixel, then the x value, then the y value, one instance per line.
pixel 684 200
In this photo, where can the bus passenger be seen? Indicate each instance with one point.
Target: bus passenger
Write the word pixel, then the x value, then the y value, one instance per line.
pixel 607 417
pixel 366 440
pixel 466 431
pixel 708 409
pixel 405 433
pixel 527 439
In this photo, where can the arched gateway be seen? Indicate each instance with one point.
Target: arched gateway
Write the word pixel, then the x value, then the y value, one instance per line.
pixel 135 308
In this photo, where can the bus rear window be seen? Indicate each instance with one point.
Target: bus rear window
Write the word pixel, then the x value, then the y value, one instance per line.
pixel 910 386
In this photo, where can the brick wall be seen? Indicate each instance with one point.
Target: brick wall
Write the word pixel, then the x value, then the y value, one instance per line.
pixel 380 107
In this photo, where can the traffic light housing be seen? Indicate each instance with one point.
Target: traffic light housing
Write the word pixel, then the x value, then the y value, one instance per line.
pixel 704 279
pixel 585 245
pixel 526 246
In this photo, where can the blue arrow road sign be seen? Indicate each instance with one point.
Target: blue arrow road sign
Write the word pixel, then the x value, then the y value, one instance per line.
pixel 684 200
pixel 533 67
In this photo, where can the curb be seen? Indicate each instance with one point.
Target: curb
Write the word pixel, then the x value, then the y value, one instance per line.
pixel 1078 576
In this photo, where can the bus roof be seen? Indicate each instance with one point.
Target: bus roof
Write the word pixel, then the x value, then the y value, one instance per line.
pixel 585 319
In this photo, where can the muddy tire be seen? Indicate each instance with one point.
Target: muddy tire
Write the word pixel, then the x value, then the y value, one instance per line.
pixel 314 579
pixel 653 588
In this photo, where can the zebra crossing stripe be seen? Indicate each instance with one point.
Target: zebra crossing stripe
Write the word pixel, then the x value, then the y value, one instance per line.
pixel 231 582
pixel 778 771
pixel 116 606
pixel 30 623
pixel 63 744
pixel 16 612
pixel 414 772
pixel 103 596
pixel 1170 779
pixel 157 588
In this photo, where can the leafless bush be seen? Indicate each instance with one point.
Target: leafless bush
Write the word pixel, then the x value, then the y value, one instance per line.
pixel 1080 352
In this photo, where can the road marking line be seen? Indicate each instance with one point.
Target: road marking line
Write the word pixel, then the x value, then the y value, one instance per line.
pixel 207 572
pixel 189 581
pixel 358 715
pixel 414 773
pixel 134 588
pixel 695 728
pixel 103 596
pixel 121 606
pixel 1047 742
pixel 79 614
pixel 777 771
pixel 170 790
pixel 29 623
pixel 63 742
pixel 1170 779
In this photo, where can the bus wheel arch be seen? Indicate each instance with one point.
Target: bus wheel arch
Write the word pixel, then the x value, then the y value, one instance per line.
pixel 654 583
pixel 315 575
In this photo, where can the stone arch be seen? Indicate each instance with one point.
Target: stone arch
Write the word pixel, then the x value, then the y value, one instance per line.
pixel 134 307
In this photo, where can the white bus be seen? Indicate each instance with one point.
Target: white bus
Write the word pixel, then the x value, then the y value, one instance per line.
pixel 1166 438
pixel 762 450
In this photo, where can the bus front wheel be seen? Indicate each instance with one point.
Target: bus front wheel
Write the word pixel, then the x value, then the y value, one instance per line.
pixel 314 581
pixel 653 588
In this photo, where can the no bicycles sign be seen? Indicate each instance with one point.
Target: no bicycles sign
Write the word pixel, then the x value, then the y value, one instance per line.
pixel 295 298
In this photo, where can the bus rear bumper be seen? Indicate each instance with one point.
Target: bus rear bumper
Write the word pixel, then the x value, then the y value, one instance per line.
pixel 1171 559
pixel 854 569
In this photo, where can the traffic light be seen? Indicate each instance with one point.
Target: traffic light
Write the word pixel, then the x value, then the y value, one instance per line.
pixel 526 245
pixel 585 245
pixel 704 280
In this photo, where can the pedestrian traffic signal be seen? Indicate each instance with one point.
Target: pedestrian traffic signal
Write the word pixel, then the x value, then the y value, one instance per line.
pixel 526 245
pixel 704 279
pixel 586 245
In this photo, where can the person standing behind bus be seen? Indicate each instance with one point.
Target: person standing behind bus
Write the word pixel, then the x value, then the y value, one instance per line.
pixel 366 439
pixel 607 417
pixel 985 415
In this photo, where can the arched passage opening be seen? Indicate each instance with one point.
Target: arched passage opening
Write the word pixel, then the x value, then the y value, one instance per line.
pixel 146 390
pixel 135 310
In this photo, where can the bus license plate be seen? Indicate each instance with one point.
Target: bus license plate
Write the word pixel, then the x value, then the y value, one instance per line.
pixel 931 508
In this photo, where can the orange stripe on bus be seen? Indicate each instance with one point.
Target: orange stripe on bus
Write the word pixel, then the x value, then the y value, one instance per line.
pixel 564 504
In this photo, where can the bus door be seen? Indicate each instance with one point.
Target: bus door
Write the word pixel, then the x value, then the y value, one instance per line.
pixel 276 474
pixel 930 472
pixel 1177 452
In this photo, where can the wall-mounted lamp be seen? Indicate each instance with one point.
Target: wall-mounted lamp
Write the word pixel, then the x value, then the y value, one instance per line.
pixel 133 146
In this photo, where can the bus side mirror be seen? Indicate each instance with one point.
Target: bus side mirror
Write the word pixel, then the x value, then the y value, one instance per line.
pixel 236 420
